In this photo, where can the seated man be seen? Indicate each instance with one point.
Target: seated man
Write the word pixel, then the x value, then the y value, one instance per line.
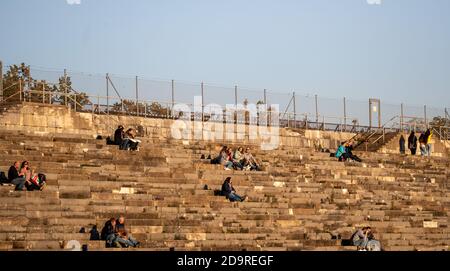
pixel 249 162
pixel 109 233
pixel 119 135
pixel 123 237
pixel 13 172
pixel 229 192
pixel 18 175
pixel 349 154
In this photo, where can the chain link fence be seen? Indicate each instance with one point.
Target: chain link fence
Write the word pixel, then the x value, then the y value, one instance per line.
pixel 114 94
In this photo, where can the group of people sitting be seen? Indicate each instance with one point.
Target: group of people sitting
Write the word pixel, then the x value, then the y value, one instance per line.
pixel 364 240
pixel 116 235
pixel 126 140
pixel 344 152
pixel 424 143
pixel 238 159
pixel 24 177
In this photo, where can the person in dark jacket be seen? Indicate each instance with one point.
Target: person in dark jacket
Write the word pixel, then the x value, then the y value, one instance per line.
pixel 401 142
pixel 119 135
pixel 412 143
pixel 229 192
pixel 109 233
pixel 13 172
pixel 349 153
pixel 23 174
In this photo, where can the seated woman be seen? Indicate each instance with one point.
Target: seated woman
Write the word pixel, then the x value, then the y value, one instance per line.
pixel 249 162
pixel 237 158
pixel 341 152
pixel 218 160
pixel 36 182
pixel 364 239
pixel 228 159
pixel 229 192
pixel 132 143
pixel 122 235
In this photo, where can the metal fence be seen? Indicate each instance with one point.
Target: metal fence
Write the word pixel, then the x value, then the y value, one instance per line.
pixel 133 95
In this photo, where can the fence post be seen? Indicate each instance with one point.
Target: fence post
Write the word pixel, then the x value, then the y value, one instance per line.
pixel 401 117
pixel 43 92
pixel 295 110
pixel 317 110
pixel 137 97
pixel 20 89
pixel 107 93
pixel 235 96
pixel 65 87
pixel 98 104
pixel 345 116
pixel 173 98
pixel 1 81
pixel 425 115
pixel 203 105
pixel 75 102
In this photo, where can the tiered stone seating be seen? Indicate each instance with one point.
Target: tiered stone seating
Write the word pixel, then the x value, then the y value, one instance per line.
pixel 302 200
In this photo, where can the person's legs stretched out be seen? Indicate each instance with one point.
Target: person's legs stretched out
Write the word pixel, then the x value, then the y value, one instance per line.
pixel 234 197
pixel 19 183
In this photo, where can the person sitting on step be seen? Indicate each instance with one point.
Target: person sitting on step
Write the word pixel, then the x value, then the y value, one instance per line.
pixel 228 159
pixel 340 152
pixel 229 192
pixel 250 162
pixel 360 238
pixel 133 143
pixel 123 237
pixel 119 136
pixel 36 181
pixel 109 233
pixel 22 176
pixel 237 158
pixel 349 154
pixel 13 172
pixel 218 159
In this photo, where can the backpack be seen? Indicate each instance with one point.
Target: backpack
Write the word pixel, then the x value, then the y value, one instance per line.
pixel 95 235
pixel 3 178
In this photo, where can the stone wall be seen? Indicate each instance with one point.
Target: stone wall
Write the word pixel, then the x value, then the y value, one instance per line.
pixel 51 119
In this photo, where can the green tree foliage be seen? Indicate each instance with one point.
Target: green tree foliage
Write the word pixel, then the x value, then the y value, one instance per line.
pixel 153 109
pixel 15 79
pixel 18 78
pixel 438 122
